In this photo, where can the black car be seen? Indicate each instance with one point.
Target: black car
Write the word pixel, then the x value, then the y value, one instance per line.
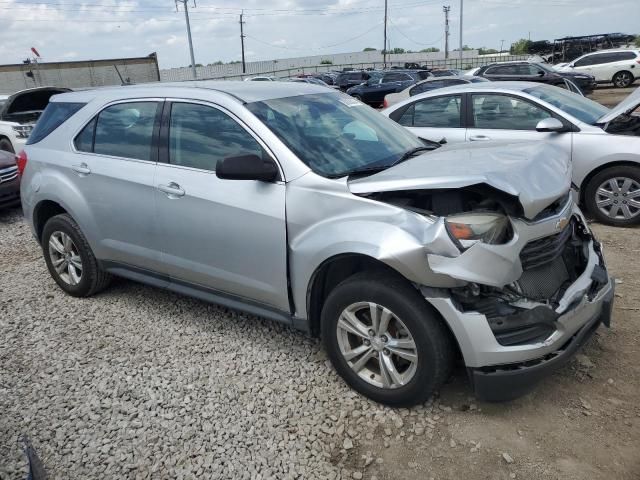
pixel 373 91
pixel 346 80
pixel 9 181
pixel 327 78
pixel 535 72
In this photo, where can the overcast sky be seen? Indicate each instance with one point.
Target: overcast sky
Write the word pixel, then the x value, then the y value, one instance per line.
pixel 93 29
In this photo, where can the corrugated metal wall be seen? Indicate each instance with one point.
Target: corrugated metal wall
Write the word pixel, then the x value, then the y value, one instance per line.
pixel 89 73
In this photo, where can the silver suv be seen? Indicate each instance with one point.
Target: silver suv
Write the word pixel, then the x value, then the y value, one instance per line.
pixel 301 204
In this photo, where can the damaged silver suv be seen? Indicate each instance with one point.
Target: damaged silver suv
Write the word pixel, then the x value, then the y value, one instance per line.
pixel 301 204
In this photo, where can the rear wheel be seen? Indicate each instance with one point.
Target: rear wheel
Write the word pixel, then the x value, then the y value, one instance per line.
pixel 385 341
pixel 622 79
pixel 6 146
pixel 613 196
pixel 69 258
pixel 357 97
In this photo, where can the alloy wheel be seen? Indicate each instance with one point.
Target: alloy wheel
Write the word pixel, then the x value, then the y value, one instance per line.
pixel 619 198
pixel 65 258
pixel 622 80
pixel 377 345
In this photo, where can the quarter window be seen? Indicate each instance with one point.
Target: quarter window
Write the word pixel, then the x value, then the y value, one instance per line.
pixel 200 136
pixel 439 112
pixel 506 113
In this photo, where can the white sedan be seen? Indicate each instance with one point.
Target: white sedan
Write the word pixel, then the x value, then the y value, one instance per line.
pixel 603 144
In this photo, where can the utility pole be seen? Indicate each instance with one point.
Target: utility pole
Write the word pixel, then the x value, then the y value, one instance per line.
pixel 244 66
pixel 501 45
pixel 461 5
pixel 446 31
pixel 384 51
pixel 186 17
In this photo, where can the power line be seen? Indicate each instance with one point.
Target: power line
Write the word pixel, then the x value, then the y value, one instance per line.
pixel 395 27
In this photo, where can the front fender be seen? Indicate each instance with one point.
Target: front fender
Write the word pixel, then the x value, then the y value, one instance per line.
pixel 341 223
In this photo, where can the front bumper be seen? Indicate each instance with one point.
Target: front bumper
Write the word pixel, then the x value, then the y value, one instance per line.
pixel 506 382
pixel 501 370
pixel 10 193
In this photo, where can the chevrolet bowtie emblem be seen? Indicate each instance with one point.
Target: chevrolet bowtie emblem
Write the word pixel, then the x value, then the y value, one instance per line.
pixel 560 224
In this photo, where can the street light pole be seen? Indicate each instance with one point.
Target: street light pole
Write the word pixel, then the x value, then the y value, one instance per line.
pixel 461 5
pixel 186 17
pixel 384 50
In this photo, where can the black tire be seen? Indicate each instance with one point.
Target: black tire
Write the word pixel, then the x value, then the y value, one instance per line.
pixel 357 97
pixel 590 195
pixel 434 344
pixel 622 79
pixel 92 279
pixel 5 145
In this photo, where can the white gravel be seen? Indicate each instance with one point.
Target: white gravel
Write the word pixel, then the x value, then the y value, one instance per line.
pixel 141 383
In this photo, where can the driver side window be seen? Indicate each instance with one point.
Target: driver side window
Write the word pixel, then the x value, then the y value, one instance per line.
pixel 200 136
pixel 506 113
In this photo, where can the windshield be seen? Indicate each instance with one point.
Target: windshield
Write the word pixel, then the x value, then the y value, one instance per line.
pixel 582 108
pixel 334 134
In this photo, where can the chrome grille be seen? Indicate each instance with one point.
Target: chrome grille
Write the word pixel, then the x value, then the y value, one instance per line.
pixel 544 250
pixel 8 174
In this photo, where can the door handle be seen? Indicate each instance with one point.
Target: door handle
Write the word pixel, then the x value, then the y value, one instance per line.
pixel 173 190
pixel 476 138
pixel 82 169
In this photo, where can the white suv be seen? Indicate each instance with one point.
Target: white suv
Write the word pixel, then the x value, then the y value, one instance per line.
pixel 620 67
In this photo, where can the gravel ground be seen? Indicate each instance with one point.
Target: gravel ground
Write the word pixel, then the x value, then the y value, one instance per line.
pixel 138 383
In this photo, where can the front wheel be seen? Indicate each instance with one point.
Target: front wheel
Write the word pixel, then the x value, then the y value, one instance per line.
pixel 385 341
pixel 622 79
pixel 613 196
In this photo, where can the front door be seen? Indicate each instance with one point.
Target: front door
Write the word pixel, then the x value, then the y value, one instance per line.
pixel 436 118
pixel 224 235
pixel 505 117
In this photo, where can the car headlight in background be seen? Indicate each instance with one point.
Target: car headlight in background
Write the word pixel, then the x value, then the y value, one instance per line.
pixel 23 131
pixel 470 228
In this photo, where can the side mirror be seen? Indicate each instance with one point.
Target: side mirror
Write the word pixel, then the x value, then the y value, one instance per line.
pixel 550 125
pixel 541 73
pixel 247 167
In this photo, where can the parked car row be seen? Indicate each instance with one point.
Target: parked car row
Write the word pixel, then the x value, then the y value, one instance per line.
pixel 298 203
pixel 604 144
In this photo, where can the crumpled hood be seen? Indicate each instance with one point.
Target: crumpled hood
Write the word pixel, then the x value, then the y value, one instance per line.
pixel 537 173
pixel 625 106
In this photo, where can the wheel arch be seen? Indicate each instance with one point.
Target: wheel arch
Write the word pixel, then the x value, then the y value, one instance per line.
pixel 42 212
pixel 8 139
pixel 333 271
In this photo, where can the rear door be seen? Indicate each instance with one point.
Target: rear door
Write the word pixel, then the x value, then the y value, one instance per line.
pixel 497 116
pixel 112 166
pixel 435 118
pixel 224 235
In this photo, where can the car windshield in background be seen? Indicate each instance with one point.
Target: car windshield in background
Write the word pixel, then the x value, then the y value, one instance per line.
pixel 582 108
pixel 334 134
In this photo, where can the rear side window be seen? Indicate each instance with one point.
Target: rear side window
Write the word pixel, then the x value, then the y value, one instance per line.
pixel 121 130
pixel 54 115
pixel 438 112
pixel 619 56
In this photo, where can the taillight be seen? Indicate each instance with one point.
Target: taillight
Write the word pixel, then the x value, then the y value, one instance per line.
pixel 21 161
pixel 385 104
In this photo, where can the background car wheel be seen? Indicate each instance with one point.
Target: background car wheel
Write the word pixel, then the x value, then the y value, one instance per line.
pixel 6 146
pixel 613 196
pixel 69 258
pixel 622 79
pixel 357 97
pixel 385 341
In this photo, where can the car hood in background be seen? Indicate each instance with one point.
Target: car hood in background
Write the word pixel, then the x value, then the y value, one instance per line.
pixel 536 173
pixel 27 101
pixel 7 160
pixel 628 105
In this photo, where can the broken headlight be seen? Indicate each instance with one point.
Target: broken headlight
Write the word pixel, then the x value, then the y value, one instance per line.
pixel 469 228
